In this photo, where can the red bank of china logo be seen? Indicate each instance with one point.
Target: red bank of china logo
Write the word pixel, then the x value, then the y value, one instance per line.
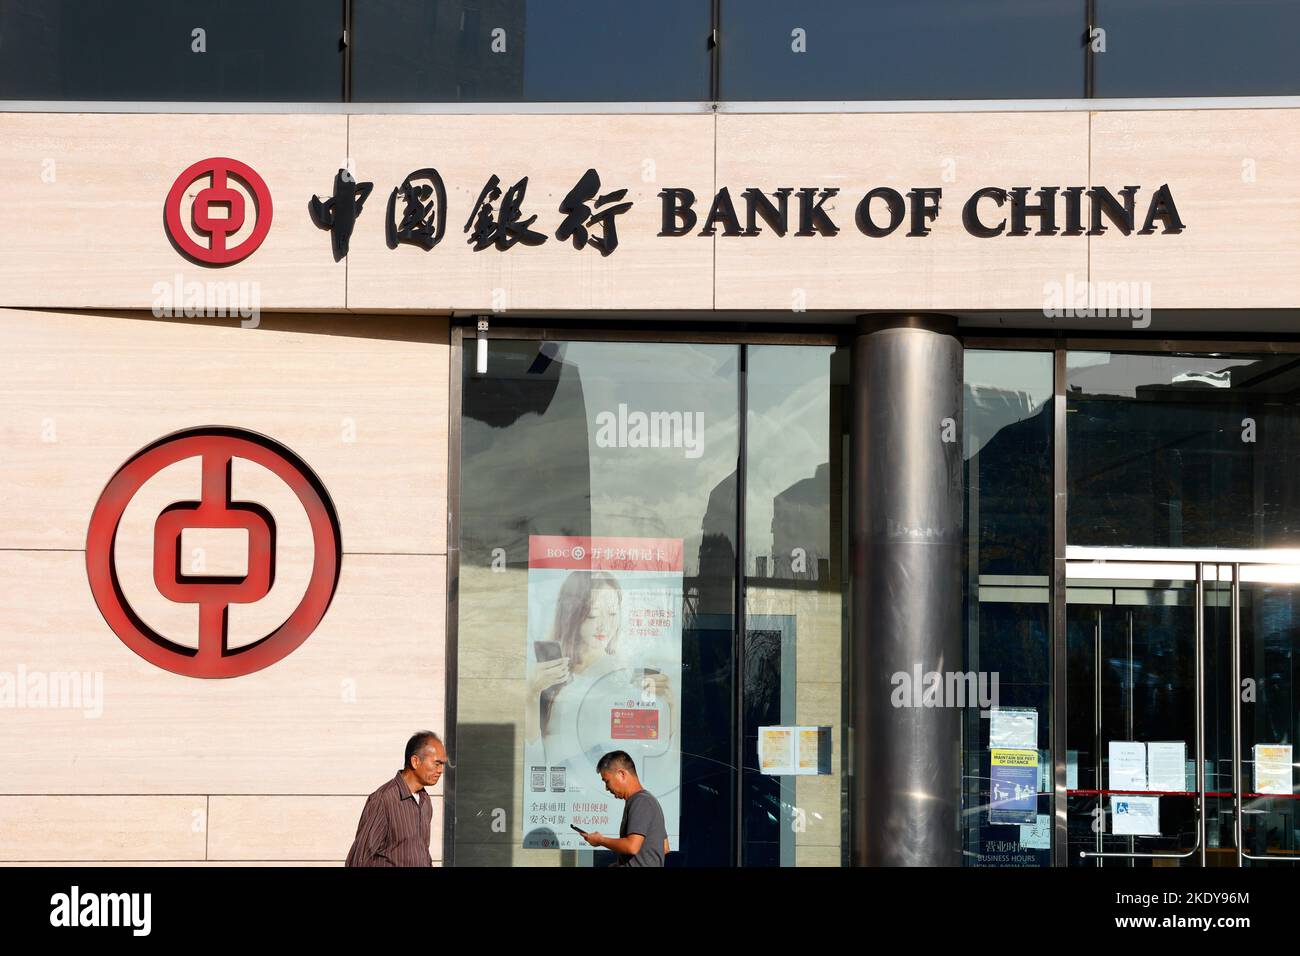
pixel 216 449
pixel 217 194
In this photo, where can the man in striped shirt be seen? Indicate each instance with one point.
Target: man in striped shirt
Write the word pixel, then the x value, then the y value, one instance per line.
pixel 395 822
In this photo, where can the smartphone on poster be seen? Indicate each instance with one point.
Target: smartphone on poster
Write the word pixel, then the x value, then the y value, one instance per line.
pixel 579 829
pixel 547 651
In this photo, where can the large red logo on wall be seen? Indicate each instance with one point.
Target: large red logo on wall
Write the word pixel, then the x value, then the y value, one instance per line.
pixel 217 195
pixel 216 449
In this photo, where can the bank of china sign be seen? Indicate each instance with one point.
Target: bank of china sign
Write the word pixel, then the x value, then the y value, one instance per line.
pixel 225 198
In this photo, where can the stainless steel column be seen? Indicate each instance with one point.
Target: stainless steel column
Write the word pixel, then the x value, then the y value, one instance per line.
pixel 906 587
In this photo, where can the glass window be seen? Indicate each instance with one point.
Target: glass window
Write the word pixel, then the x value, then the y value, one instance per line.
pixel 900 49
pixel 795 614
pixel 218 50
pixel 597 595
pixel 530 50
pixel 1008 453
pixel 629 448
pixel 1183 450
pixel 1197 48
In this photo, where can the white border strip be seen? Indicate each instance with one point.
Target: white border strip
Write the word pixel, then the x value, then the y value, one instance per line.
pixel 1184 555
pixel 1019 106
pixel 693 107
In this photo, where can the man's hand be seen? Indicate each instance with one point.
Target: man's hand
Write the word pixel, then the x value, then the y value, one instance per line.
pixel 594 838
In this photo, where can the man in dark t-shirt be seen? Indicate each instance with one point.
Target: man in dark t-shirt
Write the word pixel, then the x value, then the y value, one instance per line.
pixel 643 835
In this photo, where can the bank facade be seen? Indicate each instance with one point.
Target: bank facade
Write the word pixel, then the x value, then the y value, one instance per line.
pixel 898 461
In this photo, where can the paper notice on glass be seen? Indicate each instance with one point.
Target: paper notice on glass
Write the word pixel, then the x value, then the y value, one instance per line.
pixel 1128 765
pixel 1166 766
pixel 1037 836
pixel 1273 768
pixel 1135 816
pixel 1013 786
pixel 1072 770
pixel 809 738
pixel 1013 729
pixel 784 751
pixel 776 747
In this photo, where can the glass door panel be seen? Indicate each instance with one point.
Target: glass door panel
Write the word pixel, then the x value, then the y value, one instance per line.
pixel 1269 615
pixel 1131 734
pixel 1143 634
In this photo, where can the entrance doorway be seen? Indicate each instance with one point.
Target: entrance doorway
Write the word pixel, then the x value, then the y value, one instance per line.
pixel 1182 712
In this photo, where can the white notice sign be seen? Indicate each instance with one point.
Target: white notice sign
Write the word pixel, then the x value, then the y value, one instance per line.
pixel 1135 816
pixel 1128 765
pixel 1167 766
pixel 1037 836
pixel 1273 768
pixel 1013 729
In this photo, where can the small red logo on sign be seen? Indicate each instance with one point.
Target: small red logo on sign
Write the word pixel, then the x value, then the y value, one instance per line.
pixel 231 181
pixel 216 447
pixel 628 723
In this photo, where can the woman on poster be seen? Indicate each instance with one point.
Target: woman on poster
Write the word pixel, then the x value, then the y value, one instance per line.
pixel 582 676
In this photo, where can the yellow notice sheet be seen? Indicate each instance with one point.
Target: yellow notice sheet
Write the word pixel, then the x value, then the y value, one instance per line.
pixel 1273 768
pixel 776 750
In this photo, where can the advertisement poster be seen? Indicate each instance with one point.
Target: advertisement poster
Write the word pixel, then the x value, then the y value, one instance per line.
pixel 1013 788
pixel 604 672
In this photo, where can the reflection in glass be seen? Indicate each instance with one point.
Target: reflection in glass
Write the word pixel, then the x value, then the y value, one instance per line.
pixel 1008 454
pixel 1270 718
pixel 1198 48
pixel 233 50
pixel 900 49
pixel 538 458
pixel 794 596
pixel 530 50
pixel 1183 451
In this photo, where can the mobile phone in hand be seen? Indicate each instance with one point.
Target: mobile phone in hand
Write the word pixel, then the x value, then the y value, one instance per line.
pixel 579 829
